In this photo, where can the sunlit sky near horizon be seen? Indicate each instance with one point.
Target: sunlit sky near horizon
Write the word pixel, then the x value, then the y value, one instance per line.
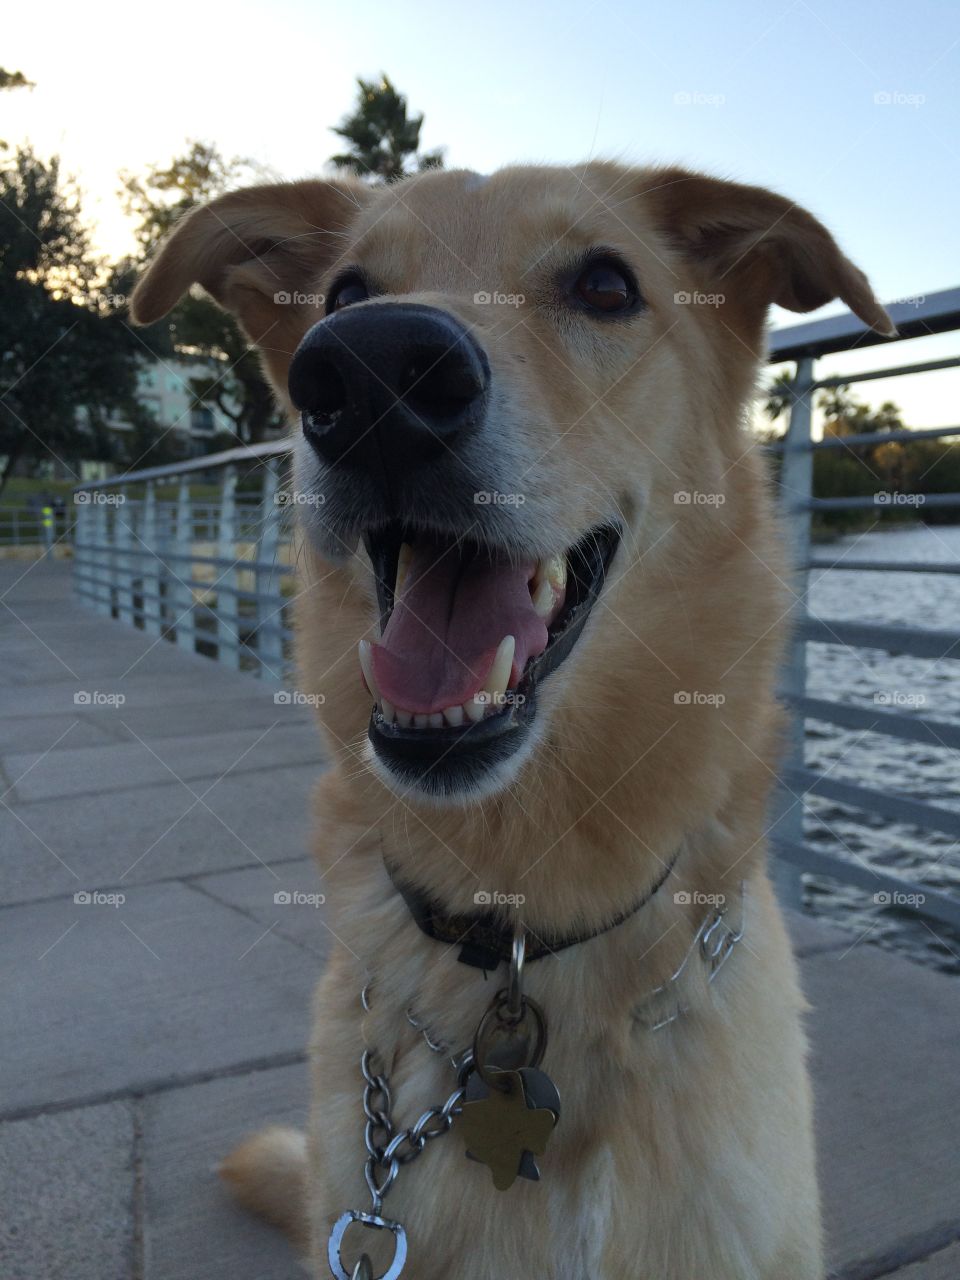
pixel 851 110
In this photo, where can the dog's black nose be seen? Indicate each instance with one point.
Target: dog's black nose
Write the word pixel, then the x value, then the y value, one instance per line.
pixel 387 385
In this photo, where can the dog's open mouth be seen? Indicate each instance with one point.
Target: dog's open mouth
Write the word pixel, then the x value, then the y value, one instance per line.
pixel 467 634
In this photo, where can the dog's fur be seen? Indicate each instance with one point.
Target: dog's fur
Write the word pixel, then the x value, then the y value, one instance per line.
pixel 684 1152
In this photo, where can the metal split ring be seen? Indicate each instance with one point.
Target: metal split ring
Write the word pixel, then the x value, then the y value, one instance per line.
pixel 374 1221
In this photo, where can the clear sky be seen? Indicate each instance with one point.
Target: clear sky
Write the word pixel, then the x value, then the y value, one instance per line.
pixel 850 108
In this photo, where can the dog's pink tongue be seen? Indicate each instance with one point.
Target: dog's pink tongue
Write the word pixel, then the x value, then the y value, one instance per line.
pixel 446 626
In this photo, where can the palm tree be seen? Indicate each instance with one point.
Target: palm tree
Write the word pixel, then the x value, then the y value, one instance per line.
pixel 382 137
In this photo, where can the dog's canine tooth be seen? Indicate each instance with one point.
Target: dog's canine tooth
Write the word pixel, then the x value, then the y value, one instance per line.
pixel 388 709
pixel 498 677
pixel 544 599
pixel 366 666
pixel 453 716
pixel 475 710
pixel 403 565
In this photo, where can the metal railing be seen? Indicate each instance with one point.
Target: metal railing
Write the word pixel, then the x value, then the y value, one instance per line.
pixel 35 527
pixel 213 572
pixel 199 552
pixel 804 345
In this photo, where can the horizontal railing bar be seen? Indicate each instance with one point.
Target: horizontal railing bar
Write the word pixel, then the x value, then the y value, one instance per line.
pixel 895 371
pixel 919 642
pixel 936 905
pixel 174 582
pixel 868 501
pixel 884 437
pixel 888 804
pixel 886 566
pixel 262 566
pixel 937 313
pixel 205 462
pixel 933 733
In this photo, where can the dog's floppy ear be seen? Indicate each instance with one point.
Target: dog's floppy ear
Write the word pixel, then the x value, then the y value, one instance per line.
pixel 253 251
pixel 756 248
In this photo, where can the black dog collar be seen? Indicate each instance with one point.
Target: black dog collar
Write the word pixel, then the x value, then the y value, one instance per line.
pixel 484 938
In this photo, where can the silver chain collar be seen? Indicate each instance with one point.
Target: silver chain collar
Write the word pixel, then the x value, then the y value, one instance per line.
pixel 389 1149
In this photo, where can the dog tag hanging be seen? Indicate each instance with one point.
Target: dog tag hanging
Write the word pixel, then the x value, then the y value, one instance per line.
pixel 507 1119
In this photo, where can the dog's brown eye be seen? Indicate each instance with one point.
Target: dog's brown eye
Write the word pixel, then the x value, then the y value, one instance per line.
pixel 349 290
pixel 603 286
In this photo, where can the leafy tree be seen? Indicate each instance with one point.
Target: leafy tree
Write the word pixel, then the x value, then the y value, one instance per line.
pixel 383 139
pixel 197 327
pixel 67 359
pixel 14 80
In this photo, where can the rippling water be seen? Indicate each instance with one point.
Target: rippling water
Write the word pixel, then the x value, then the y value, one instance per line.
pixel 912 686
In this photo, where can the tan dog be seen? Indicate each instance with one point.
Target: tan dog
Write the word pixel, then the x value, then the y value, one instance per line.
pixel 525 408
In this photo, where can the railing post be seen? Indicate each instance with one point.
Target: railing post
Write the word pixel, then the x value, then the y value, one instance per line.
pixel 796 483
pixel 123 539
pixel 102 558
pixel 82 535
pixel 270 640
pixel 181 590
pixel 151 575
pixel 228 602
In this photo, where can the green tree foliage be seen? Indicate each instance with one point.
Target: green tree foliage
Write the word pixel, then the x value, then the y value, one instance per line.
pixel 383 139
pixel 67 358
pixel 197 327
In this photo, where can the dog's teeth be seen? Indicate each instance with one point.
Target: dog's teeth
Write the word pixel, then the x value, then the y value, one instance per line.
pixel 388 709
pixel 421 721
pixel 453 716
pixel 404 718
pixel 549 584
pixel 498 679
pixel 366 666
pixel 436 720
pixel 544 599
pixel 475 710
pixel 403 564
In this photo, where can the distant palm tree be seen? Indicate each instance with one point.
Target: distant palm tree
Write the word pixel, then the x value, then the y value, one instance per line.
pixel 383 138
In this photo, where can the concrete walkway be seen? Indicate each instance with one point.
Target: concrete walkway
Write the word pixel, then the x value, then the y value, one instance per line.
pixel 139 1040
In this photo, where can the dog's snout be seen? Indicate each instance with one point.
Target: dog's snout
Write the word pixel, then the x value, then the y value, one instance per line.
pixel 388 385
